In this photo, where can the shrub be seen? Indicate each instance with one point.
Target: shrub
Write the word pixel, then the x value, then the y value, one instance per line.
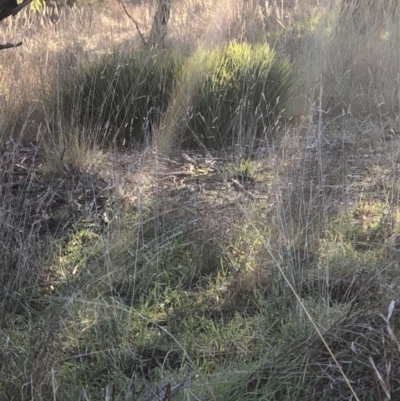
pixel 124 94
pixel 226 96
pixel 241 90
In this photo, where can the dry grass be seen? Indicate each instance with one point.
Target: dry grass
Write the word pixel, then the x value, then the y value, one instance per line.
pixel 203 275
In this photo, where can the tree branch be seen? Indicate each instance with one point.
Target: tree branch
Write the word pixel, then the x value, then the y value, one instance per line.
pixel 8 45
pixel 134 21
pixel 10 8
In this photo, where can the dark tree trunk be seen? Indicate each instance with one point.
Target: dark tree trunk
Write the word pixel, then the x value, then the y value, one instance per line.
pixel 160 24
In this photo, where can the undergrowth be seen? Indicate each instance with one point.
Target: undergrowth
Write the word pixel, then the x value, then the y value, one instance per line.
pixel 125 94
pixel 240 94
pixel 257 258
pixel 226 96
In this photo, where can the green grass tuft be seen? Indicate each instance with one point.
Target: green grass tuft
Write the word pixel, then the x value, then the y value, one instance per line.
pixel 124 95
pixel 242 89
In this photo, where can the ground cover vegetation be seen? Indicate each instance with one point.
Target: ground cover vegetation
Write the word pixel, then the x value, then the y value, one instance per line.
pixel 215 218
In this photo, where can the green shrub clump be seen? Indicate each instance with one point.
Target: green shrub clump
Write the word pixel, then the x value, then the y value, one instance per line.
pixel 241 91
pixel 127 94
pixel 216 98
